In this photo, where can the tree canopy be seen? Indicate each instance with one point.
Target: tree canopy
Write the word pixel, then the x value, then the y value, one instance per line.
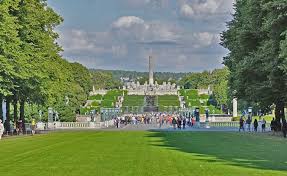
pixel 256 39
pixel 32 69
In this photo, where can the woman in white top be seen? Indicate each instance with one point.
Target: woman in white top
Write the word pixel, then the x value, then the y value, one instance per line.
pixel 1 129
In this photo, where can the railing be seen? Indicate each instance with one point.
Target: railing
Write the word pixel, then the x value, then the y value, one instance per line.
pixel 224 124
pixel 232 124
pixel 69 125
pixel 73 125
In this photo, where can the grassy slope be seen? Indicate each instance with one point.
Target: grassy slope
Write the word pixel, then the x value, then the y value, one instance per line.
pixel 143 153
pixel 133 100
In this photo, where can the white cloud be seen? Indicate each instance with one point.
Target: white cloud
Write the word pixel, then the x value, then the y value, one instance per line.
pixel 205 39
pixel 128 41
pixel 132 28
pixel 127 22
pixel 186 10
pixel 198 9
pixel 79 41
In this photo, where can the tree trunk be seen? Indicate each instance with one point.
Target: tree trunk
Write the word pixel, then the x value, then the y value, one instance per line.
pixel 279 110
pixel 1 110
pixel 8 118
pixel 279 114
pixel 15 105
pixel 22 113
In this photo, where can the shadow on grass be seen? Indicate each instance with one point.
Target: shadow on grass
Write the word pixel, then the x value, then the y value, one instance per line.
pixel 236 149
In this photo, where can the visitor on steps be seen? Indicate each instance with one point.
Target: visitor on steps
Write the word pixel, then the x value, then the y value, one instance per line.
pixel 255 124
pixel 1 129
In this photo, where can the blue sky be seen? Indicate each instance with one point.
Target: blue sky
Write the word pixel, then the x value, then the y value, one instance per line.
pixel 182 35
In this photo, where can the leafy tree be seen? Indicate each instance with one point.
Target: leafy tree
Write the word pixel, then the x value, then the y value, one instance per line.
pixel 255 38
pixel 220 86
pixel 9 51
pixel 104 80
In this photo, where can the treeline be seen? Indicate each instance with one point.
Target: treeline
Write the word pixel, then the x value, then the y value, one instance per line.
pixel 134 75
pixel 217 80
pixel 33 75
pixel 102 79
pixel 257 41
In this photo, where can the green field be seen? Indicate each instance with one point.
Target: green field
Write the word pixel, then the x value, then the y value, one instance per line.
pixel 143 154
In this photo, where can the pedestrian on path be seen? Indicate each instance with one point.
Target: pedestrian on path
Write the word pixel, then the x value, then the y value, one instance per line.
pixel 272 125
pixel 179 121
pixel 33 125
pixel 174 123
pixel 248 122
pixel 284 128
pixel 192 121
pixel 184 123
pixel 1 129
pixel 263 125
pixel 241 124
pixel 255 124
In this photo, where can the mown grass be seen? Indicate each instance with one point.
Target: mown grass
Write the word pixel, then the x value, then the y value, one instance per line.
pixel 133 100
pixel 144 153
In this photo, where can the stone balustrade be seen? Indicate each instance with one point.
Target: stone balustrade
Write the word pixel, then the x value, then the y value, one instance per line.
pixel 70 125
pixel 231 124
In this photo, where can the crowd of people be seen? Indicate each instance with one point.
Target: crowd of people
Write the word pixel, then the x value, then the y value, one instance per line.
pixel 174 120
pixel 275 125
pixel 15 128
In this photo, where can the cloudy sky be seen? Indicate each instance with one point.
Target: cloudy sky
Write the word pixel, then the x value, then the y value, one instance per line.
pixel 182 35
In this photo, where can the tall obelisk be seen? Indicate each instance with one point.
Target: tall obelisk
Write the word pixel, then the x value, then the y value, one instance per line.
pixel 151 80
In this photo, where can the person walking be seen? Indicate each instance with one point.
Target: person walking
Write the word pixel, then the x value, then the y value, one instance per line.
pixel 117 122
pixel 248 122
pixel 284 128
pixel 174 123
pixel 273 126
pixel 179 121
pixel 192 121
pixel 241 124
pixel 183 123
pixel 160 121
pixel 263 126
pixel 255 124
pixel 33 126
pixel 1 129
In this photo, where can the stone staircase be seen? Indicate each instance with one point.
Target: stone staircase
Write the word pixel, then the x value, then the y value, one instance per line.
pixel 150 104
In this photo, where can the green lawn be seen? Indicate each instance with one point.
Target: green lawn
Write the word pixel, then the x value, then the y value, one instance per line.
pixel 133 100
pixel 138 153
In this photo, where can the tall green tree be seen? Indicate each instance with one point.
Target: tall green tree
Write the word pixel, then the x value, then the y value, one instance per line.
pixel 255 60
pixel 9 51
